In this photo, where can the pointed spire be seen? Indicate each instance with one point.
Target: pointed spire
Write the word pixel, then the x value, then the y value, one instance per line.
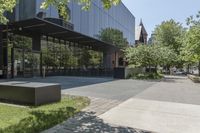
pixel 141 22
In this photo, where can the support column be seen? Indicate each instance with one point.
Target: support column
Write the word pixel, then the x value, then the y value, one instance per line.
pixel 116 59
pixel 110 59
pixel 41 67
pixel 36 43
pixel 1 52
pixel 4 53
pixel 12 63
pixel 36 47
pixel 5 59
pixel 107 59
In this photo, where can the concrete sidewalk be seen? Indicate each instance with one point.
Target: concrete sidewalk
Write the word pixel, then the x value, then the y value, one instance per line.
pixel 173 89
pixel 133 106
pixel 156 116
pixel 88 121
pixel 169 106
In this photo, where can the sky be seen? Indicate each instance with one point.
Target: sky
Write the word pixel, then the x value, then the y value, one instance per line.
pixel 153 12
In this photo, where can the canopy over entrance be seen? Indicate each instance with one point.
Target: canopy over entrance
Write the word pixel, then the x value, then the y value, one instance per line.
pixel 37 26
pixel 35 29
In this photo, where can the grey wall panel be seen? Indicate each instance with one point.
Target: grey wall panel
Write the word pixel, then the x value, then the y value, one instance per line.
pixel 27 9
pixel 87 22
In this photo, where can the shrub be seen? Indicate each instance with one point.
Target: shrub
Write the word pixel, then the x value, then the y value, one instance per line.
pixel 146 76
pixel 195 79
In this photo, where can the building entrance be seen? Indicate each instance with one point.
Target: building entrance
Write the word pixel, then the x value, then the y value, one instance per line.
pixel 26 63
pixel 31 45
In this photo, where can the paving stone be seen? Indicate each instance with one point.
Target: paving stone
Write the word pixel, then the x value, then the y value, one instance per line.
pixel 62 130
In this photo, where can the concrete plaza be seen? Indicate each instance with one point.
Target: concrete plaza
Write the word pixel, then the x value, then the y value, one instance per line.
pixel 168 106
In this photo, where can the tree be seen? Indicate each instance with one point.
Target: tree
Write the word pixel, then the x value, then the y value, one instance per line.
pixel 60 5
pixel 192 21
pixel 170 34
pixel 84 58
pixel 150 56
pixel 6 6
pixel 191 49
pixel 113 36
pixel 96 58
pixel 89 58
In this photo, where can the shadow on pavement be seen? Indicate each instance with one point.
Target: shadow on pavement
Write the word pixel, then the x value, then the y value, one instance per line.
pixel 66 81
pixel 87 122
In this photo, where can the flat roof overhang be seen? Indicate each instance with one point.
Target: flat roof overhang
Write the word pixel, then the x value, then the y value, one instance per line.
pixel 39 26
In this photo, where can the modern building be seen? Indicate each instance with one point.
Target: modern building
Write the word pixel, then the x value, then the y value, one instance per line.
pixel 141 34
pixel 29 41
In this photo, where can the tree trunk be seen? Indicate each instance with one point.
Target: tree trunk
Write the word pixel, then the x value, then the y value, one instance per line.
pixel 156 69
pixel 199 68
pixel 149 69
pixel 168 69
pixel 188 69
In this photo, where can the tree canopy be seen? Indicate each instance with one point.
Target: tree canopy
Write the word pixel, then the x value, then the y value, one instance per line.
pixel 170 34
pixel 150 55
pixel 191 47
pixel 113 36
pixel 60 5
pixel 6 6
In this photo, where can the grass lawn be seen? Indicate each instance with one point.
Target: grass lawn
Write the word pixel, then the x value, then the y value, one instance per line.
pixel 15 119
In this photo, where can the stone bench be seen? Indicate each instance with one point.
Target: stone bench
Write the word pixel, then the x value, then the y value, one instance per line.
pixel 30 93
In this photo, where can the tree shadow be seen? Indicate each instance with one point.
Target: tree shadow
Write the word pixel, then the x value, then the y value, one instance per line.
pixel 83 122
pixel 40 120
pixel 67 82
pixel 87 122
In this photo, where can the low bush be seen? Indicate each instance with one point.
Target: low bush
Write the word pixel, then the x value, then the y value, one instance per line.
pixel 146 76
pixel 194 78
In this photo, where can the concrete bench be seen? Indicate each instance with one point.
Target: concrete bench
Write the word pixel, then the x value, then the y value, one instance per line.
pixel 31 93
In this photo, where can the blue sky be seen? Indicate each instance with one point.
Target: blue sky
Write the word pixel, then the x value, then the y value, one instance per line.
pixel 153 12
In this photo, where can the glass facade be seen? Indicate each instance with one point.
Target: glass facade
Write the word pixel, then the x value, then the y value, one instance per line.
pixel 59 57
pixel 58 54
pixel 26 62
pixel 25 55
pixel 89 22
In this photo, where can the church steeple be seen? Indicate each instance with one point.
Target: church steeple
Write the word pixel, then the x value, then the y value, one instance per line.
pixel 141 22
pixel 141 34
